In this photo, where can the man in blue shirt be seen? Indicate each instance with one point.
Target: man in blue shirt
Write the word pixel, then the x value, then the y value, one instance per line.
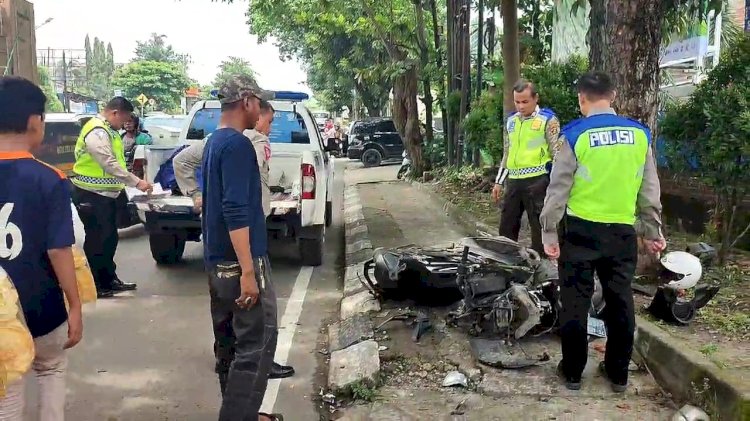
pixel 243 301
pixel 36 235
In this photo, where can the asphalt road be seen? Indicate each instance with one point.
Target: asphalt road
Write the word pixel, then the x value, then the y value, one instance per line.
pixel 148 356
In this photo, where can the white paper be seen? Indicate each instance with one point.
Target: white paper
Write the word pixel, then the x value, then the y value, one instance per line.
pixel 132 192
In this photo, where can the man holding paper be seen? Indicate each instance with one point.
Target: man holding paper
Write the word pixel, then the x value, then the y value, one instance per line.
pixel 100 176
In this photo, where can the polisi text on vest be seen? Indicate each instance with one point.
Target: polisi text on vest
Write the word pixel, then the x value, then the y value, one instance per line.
pixel 611 137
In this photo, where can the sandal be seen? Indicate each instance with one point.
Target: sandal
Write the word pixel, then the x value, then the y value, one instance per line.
pixel 273 417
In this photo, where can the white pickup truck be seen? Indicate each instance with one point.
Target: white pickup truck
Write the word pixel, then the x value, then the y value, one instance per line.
pixel 301 180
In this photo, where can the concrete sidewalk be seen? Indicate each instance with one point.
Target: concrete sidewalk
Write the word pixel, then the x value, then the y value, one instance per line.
pixel 398 213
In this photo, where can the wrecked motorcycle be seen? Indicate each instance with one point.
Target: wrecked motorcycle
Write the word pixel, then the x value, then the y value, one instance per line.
pixel 501 287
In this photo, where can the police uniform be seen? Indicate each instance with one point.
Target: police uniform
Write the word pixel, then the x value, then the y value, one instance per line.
pixel 188 162
pixel 604 178
pixel 100 175
pixel 529 148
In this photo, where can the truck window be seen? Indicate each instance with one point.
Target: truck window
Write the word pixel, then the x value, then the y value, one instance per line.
pixel 287 127
pixel 204 123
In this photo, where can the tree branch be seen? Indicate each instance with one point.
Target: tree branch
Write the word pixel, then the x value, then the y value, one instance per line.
pixel 382 34
pixel 739 237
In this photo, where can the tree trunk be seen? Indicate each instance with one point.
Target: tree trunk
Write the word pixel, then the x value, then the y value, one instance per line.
pixel 511 57
pixel 597 36
pixel 535 21
pixel 728 208
pixel 450 150
pixel 371 102
pixel 491 36
pixel 480 47
pixel 406 115
pixel 465 77
pixel 625 39
pixel 440 67
pixel 424 61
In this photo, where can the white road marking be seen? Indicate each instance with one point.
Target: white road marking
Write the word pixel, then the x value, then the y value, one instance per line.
pixel 287 328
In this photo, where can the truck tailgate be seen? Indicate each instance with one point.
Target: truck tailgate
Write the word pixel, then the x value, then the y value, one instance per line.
pixel 285 177
pixel 286 171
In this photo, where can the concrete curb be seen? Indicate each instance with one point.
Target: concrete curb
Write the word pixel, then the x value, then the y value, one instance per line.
pixel 360 361
pixel 676 367
pixel 688 375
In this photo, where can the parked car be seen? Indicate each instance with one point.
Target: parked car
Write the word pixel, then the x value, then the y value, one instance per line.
pixel 374 141
pixel 164 129
pixel 301 180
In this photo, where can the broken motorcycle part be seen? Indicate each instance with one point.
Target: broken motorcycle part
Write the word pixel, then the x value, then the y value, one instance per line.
pixel 670 307
pixel 497 353
pixel 421 325
pixel 455 378
pixel 704 252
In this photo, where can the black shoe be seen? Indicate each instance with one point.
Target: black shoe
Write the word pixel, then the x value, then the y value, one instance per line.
pixel 616 387
pixel 105 293
pixel 570 383
pixel 279 371
pixel 119 286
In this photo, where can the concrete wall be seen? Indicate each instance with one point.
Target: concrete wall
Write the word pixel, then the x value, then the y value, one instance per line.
pixel 17 30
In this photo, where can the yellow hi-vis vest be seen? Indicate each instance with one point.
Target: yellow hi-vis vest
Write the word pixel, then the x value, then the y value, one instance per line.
pixel 88 173
pixel 611 153
pixel 528 152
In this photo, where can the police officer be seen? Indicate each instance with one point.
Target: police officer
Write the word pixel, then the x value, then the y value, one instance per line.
pixel 528 150
pixel 100 175
pixel 604 178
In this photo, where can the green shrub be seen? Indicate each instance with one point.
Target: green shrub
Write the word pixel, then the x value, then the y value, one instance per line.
pixel 483 125
pixel 556 85
pixel 711 131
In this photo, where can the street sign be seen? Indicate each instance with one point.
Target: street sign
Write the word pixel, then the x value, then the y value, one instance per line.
pixel 143 99
pixel 118 92
pixel 152 102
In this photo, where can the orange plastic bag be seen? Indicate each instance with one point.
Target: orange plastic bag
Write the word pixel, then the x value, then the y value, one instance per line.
pixel 16 343
pixel 84 277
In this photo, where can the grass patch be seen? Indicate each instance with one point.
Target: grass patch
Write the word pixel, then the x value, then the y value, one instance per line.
pixel 363 392
pixel 469 189
pixel 709 349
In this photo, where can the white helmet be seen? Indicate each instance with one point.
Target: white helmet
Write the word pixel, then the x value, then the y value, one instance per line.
pixel 684 264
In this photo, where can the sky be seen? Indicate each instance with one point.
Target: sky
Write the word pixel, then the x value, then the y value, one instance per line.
pixel 208 31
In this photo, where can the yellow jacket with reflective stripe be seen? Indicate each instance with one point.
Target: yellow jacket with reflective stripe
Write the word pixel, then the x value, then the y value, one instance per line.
pixel 88 172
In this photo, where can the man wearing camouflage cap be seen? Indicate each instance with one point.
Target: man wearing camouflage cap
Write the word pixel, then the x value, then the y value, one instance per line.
pixel 243 301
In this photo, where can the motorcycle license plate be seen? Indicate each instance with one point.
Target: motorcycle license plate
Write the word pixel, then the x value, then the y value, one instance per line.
pixel 596 327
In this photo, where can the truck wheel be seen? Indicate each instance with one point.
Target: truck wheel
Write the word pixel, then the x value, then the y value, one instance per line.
pixel 372 158
pixel 329 213
pixel 311 251
pixel 166 248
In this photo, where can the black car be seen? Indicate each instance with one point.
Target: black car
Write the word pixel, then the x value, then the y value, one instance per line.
pixel 373 141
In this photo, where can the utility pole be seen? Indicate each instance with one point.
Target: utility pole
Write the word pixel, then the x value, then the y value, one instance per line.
pixel 66 99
